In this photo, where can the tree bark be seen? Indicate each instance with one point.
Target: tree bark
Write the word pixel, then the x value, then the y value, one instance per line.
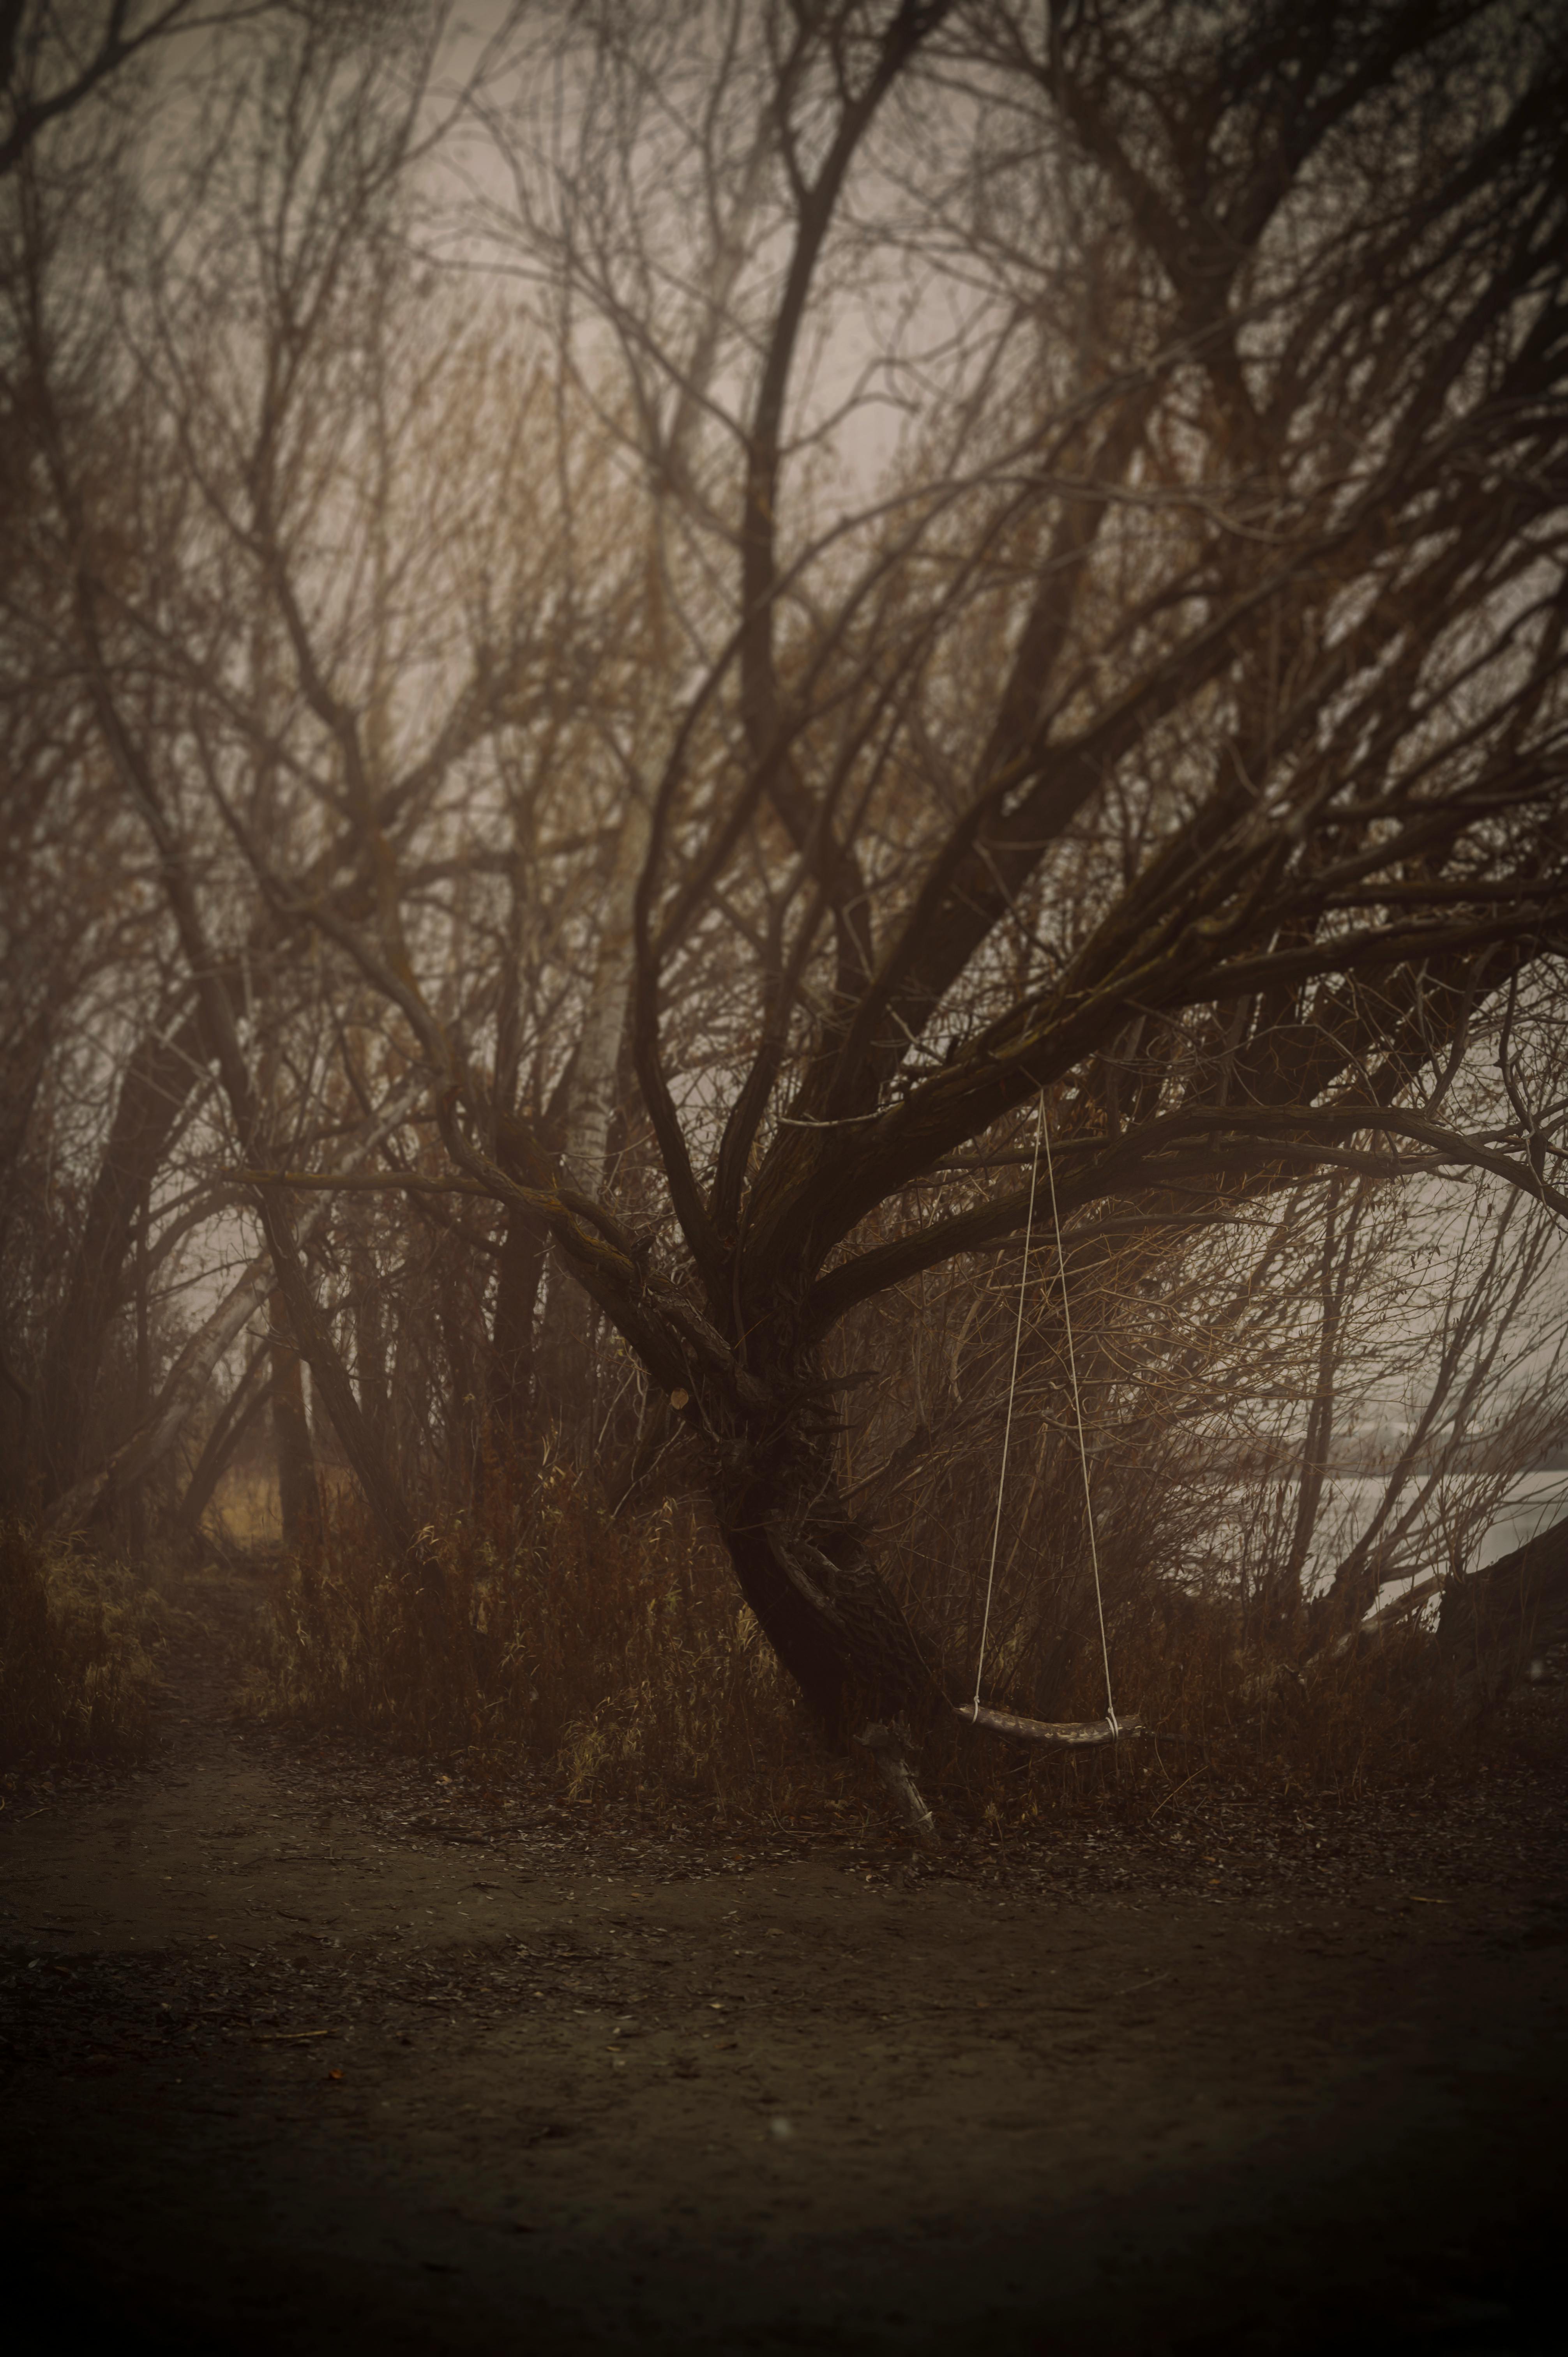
pixel 804 1567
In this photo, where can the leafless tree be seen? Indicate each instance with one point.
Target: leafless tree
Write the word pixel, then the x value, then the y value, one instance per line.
pixel 1046 590
pixel 1181 731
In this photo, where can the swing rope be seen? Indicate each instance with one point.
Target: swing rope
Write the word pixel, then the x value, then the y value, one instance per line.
pixel 1012 1391
pixel 1042 1132
pixel 1078 1412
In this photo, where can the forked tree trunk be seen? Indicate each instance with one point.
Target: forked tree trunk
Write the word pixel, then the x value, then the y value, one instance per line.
pixel 835 1624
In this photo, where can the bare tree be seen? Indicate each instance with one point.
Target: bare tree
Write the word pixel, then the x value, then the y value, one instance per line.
pixel 1181 733
pixel 1047 590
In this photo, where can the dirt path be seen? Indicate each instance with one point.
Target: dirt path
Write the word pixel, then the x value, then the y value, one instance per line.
pixel 294 2066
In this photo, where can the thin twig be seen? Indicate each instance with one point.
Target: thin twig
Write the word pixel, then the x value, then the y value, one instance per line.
pixel 1186 1781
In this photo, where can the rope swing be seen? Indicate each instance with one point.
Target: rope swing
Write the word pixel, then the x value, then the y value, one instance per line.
pixel 1036 1730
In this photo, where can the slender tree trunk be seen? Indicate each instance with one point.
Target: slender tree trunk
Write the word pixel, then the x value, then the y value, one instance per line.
pixel 464 1337
pixel 1334 1277
pixel 566 1352
pixel 383 1492
pixel 517 1378
pixel 250 1395
pixel 135 1509
pixel 370 1348
pixel 154 1095
pixel 523 1244
pixel 299 1493
pixel 91 1499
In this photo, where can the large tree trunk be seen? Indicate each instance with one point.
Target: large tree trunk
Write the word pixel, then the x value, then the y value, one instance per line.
pixel 805 1569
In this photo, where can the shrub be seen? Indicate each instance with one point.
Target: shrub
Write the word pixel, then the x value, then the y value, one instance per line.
pixel 77 1639
pixel 617 1651
pixel 616 1655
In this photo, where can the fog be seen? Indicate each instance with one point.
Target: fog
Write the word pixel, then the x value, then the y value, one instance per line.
pixel 782 1537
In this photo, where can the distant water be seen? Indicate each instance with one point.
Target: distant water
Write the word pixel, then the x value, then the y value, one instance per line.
pixel 1532 1504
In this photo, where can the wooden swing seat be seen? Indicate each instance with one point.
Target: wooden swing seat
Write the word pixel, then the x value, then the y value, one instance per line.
pixel 1070 1735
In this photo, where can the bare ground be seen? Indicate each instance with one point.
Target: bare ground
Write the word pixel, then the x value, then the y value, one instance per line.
pixel 308 2050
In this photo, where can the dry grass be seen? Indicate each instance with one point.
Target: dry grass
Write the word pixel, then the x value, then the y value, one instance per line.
pixel 616 1656
pixel 617 1653
pixel 78 1637
pixel 1375 1718
pixel 244 1511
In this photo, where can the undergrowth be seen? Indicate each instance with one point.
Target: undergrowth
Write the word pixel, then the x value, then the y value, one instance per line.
pixel 616 1655
pixel 78 1640
pixel 1372 1718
